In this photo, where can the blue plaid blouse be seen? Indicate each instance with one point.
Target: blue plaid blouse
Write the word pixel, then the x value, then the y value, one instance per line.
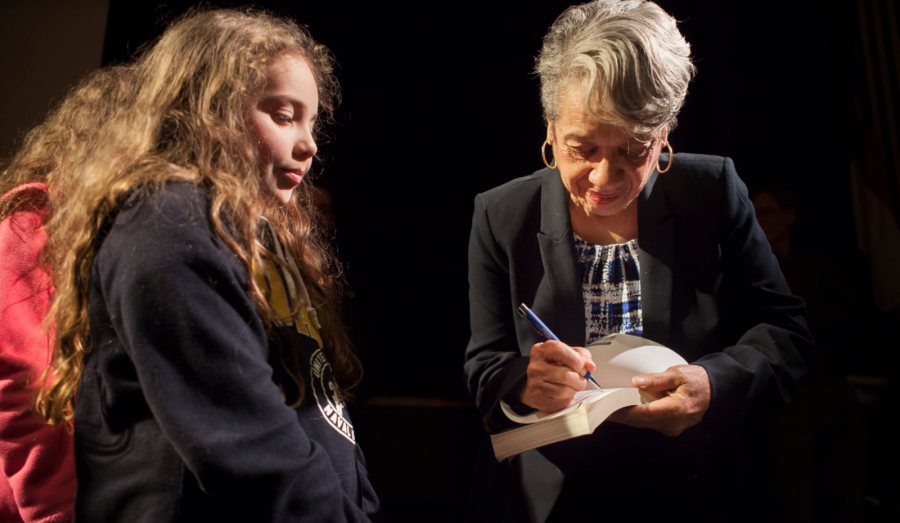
pixel 611 288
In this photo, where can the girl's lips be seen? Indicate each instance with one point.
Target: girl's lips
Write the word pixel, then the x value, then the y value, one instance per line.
pixel 602 199
pixel 294 176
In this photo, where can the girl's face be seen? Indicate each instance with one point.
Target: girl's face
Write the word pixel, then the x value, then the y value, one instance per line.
pixel 282 121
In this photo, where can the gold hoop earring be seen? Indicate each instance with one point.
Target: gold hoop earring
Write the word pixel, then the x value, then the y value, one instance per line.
pixel 669 166
pixel 544 155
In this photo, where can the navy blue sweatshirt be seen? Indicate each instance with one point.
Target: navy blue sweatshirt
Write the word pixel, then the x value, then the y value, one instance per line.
pixel 178 417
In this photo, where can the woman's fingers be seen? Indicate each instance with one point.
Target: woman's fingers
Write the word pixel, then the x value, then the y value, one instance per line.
pixel 559 353
pixel 659 381
pixel 550 387
pixel 686 401
pixel 555 381
pixel 555 374
pixel 556 362
pixel 589 364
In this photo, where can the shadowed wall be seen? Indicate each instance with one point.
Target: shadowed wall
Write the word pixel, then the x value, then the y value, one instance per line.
pixel 45 47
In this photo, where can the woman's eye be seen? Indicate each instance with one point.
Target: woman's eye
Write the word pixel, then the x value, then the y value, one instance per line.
pixel 582 153
pixel 283 118
pixel 634 154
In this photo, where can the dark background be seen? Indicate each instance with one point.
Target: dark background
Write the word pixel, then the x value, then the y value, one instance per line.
pixel 440 103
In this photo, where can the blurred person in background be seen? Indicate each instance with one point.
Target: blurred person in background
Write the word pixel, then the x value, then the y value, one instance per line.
pixel 37 463
pixel 815 454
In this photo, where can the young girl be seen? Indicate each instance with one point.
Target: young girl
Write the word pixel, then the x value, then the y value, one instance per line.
pixel 37 462
pixel 195 309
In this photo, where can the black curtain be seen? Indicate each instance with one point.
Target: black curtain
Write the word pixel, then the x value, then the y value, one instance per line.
pixel 440 103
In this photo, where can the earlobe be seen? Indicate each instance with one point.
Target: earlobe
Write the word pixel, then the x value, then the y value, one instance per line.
pixel 550 132
pixel 544 155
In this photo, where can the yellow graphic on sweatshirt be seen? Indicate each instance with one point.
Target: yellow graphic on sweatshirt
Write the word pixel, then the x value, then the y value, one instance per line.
pixel 305 322
pixel 273 287
pixel 270 281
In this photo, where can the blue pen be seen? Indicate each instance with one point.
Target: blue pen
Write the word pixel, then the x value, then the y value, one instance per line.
pixel 542 329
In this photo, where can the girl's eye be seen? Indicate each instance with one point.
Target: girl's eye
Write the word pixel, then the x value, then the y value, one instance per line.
pixel 283 118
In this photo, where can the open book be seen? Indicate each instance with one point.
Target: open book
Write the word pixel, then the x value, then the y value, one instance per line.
pixel 619 357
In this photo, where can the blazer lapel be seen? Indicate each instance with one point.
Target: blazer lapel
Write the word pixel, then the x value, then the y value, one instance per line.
pixel 536 478
pixel 534 475
pixel 656 239
pixel 563 274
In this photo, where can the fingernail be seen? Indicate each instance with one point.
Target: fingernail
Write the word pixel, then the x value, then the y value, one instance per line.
pixel 637 381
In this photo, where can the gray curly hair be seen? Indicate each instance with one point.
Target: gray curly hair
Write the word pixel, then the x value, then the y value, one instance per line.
pixel 629 57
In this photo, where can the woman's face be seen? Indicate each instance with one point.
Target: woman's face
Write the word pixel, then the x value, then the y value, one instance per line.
pixel 282 121
pixel 603 167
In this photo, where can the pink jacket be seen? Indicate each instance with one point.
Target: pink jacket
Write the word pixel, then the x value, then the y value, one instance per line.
pixel 37 463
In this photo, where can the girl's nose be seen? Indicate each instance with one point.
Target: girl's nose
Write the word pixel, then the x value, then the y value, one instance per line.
pixel 305 147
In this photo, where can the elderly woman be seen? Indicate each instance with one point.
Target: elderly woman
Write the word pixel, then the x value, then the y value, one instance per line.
pixel 618 234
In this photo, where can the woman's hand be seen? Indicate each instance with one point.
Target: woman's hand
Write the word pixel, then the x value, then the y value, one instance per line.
pixel 687 396
pixel 555 374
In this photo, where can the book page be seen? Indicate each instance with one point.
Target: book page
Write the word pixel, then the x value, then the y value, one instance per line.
pixel 620 357
pixel 584 396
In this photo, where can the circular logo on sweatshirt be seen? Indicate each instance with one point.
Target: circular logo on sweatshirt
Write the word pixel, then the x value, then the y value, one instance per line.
pixel 328 396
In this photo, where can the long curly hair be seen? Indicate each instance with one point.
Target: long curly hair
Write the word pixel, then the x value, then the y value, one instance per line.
pixel 64 135
pixel 186 121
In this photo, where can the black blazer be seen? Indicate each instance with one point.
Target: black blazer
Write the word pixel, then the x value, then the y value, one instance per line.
pixel 710 289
